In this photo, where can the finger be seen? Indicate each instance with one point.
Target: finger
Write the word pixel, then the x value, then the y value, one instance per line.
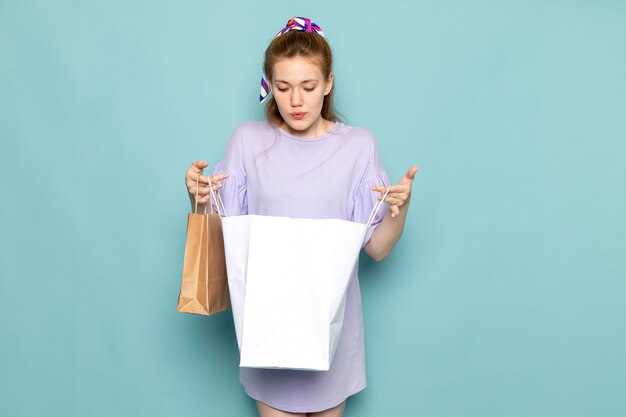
pixel 394 211
pixel 191 183
pixel 213 187
pixel 410 175
pixel 412 171
pixel 393 189
pixel 400 189
pixel 219 177
pixel 392 201
pixel 200 191
pixel 201 179
pixel 194 176
pixel 381 188
pixel 213 178
pixel 200 165
pixel 403 195
pixel 203 189
pixel 203 199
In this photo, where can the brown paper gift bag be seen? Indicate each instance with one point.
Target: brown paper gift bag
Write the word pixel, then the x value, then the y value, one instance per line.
pixel 204 289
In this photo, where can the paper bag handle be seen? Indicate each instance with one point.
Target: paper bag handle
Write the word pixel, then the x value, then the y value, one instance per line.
pixel 376 208
pixel 195 210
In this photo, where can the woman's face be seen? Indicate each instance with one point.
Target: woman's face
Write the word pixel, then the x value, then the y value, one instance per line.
pixel 299 88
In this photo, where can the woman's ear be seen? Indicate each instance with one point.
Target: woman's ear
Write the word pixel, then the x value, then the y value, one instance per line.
pixel 329 83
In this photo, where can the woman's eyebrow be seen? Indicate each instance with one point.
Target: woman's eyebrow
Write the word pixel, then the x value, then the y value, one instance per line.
pixel 302 82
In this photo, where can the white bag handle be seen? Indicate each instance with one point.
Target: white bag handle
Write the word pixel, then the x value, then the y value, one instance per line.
pixel 376 208
pixel 369 221
pixel 219 197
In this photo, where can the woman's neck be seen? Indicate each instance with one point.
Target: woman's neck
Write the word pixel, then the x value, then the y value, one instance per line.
pixel 321 128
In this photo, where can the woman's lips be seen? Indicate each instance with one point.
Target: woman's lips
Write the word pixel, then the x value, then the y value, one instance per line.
pixel 297 116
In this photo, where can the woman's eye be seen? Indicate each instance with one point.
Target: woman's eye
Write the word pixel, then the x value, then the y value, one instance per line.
pixel 282 90
pixel 309 89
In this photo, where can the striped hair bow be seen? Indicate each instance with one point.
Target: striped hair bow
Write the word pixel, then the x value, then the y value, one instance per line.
pixel 295 23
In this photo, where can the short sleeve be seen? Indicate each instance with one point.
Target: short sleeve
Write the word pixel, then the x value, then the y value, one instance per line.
pixel 365 198
pixel 234 188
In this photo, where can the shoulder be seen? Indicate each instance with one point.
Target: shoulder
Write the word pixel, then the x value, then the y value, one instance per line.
pixel 254 128
pixel 251 136
pixel 358 137
pixel 354 133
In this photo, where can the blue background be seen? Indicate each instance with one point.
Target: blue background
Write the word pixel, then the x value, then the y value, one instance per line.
pixel 506 295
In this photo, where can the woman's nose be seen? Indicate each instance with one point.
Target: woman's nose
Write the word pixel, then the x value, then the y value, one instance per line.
pixel 296 98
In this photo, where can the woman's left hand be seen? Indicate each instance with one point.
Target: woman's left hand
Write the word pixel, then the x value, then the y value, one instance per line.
pixel 399 194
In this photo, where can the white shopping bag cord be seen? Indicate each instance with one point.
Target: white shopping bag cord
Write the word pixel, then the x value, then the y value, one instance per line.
pixel 222 203
pixel 369 221
pixel 219 197
pixel 214 198
pixel 376 208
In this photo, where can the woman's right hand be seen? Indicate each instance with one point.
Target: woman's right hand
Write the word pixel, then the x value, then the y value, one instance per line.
pixel 194 175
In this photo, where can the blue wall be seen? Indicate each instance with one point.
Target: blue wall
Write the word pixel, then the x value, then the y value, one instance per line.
pixel 506 295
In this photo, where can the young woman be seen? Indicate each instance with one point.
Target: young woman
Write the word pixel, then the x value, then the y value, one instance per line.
pixel 303 162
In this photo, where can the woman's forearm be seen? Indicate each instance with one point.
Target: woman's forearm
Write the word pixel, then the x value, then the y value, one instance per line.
pixel 387 233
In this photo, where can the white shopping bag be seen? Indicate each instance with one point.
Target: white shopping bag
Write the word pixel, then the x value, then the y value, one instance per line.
pixel 287 279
